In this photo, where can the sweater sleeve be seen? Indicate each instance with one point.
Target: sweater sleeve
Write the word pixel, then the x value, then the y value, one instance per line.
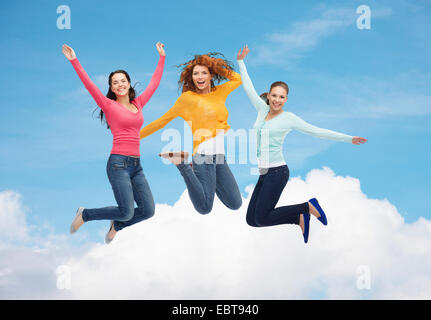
pixel 102 101
pixel 143 98
pixel 234 82
pixel 254 98
pixel 301 125
pixel 163 120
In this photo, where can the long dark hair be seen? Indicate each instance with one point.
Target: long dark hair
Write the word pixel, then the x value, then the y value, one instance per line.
pixel 282 84
pixel 112 96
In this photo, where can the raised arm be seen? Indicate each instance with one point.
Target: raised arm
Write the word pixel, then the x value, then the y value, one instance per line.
pixel 143 98
pixel 234 81
pixel 254 98
pixel 97 95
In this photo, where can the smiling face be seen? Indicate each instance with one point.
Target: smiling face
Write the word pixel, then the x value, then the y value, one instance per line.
pixel 202 79
pixel 119 84
pixel 277 97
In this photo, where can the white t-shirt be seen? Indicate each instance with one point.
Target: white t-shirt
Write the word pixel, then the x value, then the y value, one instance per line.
pixel 213 146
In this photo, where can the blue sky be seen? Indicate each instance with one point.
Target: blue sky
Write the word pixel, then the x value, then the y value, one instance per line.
pixel 372 83
pixel 53 150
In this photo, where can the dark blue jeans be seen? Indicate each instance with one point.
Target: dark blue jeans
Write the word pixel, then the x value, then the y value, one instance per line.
pixel 261 210
pixel 129 184
pixel 210 175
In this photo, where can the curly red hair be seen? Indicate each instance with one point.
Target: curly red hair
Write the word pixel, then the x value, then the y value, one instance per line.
pixel 219 68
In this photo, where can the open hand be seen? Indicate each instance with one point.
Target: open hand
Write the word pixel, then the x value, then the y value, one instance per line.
pixel 358 140
pixel 243 54
pixel 160 49
pixel 68 52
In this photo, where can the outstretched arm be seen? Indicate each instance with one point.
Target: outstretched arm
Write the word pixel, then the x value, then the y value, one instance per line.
pixel 143 98
pixel 301 125
pixel 97 95
pixel 163 120
pixel 254 98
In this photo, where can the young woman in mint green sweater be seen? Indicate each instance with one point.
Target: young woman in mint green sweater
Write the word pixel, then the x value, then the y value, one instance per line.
pixel 272 125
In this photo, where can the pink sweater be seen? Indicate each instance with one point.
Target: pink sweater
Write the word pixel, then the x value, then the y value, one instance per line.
pixel 124 124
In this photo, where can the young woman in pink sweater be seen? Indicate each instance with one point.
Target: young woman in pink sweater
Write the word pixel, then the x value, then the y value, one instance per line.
pixel 123 113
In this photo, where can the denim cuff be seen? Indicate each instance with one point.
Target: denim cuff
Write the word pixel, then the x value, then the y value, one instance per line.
pixel 84 215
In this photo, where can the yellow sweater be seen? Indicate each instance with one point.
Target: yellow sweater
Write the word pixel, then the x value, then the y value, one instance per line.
pixel 205 113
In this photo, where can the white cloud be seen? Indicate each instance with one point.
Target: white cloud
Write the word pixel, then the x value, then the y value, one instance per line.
pixel 13 224
pixel 279 47
pixel 179 254
pixel 288 47
pixel 29 254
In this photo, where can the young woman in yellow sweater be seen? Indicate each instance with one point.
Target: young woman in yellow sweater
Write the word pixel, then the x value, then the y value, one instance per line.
pixel 202 106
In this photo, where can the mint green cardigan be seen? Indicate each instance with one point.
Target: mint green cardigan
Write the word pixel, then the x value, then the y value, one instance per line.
pixel 271 133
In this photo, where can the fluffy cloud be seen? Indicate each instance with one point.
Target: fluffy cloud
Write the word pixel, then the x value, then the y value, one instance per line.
pixel 13 225
pixel 366 251
pixel 289 46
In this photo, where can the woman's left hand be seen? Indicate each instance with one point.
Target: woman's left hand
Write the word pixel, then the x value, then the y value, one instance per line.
pixel 243 54
pixel 160 49
pixel 358 140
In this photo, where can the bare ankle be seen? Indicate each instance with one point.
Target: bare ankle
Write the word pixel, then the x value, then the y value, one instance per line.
pixel 312 210
pixel 301 222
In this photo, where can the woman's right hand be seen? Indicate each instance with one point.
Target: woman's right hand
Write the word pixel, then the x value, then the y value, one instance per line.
pixel 68 52
pixel 243 54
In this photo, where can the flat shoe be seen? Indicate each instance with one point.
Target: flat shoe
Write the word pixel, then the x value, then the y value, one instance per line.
pixel 306 226
pixel 107 239
pixel 78 213
pixel 322 217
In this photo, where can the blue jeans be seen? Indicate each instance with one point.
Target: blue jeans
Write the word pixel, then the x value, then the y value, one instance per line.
pixel 129 184
pixel 261 211
pixel 210 175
